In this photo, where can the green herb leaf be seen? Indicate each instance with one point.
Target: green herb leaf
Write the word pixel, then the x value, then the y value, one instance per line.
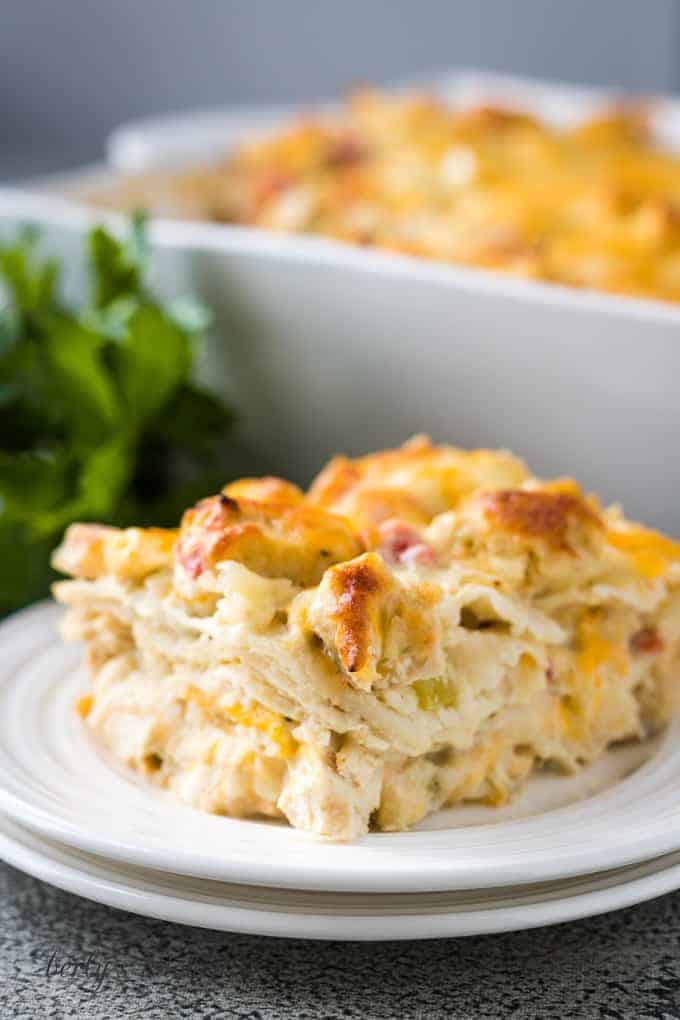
pixel 116 267
pixel 151 360
pixel 31 483
pixel 195 420
pixel 99 418
pixel 79 378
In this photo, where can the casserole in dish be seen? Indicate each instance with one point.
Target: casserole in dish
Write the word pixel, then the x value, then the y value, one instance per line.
pixel 329 345
pixel 595 204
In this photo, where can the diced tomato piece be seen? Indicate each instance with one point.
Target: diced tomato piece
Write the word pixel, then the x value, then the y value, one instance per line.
pixel 403 545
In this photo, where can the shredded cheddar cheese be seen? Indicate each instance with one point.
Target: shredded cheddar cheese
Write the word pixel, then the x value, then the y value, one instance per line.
pixel 650 553
pixel 254 715
pixel 264 721
pixel 84 705
pixel 596 651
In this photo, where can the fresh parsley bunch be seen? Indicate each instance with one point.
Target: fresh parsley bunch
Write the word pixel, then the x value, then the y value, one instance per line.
pixel 99 418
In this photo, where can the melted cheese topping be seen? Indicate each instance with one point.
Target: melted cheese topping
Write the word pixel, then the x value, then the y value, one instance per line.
pixel 650 553
pixel 597 206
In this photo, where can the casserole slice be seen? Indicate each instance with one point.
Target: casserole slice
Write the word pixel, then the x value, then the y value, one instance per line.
pixel 424 626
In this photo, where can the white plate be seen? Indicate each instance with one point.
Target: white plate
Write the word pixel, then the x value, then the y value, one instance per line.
pixel 54 779
pixel 298 914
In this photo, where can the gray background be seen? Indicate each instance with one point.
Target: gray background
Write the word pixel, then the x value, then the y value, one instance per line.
pixel 70 70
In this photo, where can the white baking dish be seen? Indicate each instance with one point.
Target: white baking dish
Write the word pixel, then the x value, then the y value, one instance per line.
pixel 330 347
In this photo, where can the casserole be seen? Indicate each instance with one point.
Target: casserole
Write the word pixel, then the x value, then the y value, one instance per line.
pixel 595 204
pixel 332 347
pixel 421 628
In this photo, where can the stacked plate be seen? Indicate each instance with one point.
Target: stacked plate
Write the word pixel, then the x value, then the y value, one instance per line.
pixel 568 848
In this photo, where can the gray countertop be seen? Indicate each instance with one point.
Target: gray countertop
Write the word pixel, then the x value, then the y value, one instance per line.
pixel 62 956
